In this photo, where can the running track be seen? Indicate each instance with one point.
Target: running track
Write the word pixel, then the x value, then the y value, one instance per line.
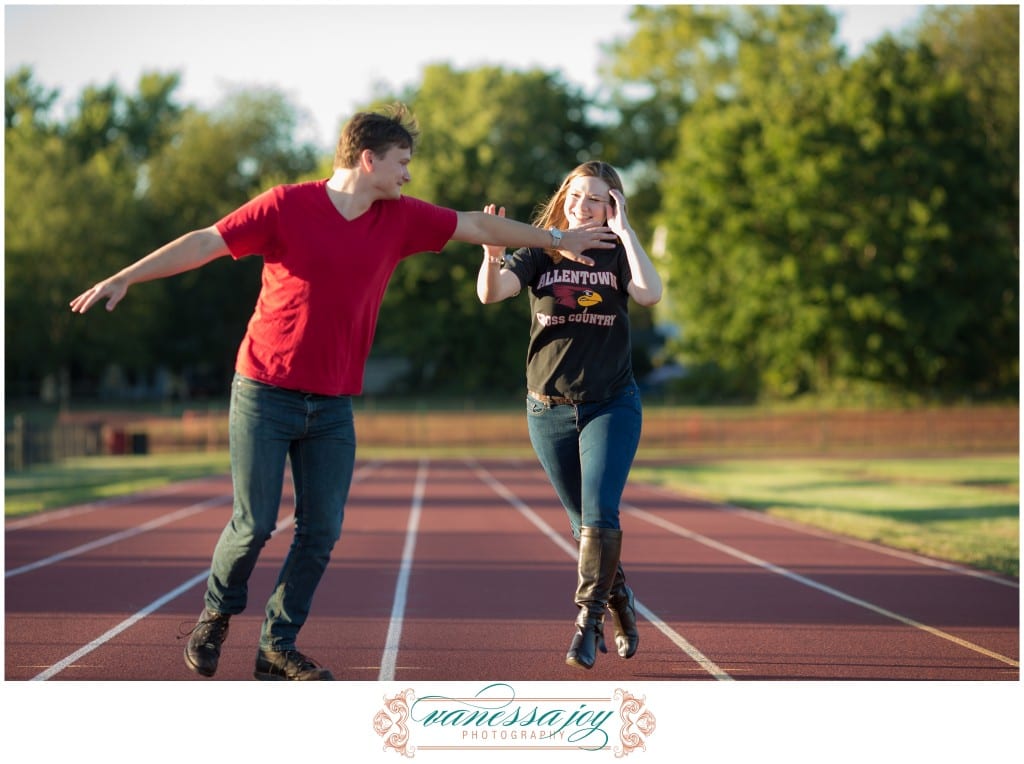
pixel 455 570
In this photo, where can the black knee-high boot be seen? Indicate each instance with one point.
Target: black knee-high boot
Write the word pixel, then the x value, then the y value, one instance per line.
pixel 598 562
pixel 623 609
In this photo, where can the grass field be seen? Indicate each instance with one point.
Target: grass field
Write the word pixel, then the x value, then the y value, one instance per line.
pixel 77 481
pixel 964 509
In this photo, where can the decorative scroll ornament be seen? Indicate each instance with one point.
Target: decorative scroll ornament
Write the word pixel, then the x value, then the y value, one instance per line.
pixel 390 723
pixel 637 723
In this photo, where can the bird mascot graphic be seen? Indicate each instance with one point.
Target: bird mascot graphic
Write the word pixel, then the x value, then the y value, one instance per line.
pixel 576 297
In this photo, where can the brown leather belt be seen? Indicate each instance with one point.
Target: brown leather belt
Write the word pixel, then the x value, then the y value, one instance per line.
pixel 552 400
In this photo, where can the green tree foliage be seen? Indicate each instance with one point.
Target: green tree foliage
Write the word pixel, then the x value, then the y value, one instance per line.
pixel 742 203
pixel 487 135
pixel 924 263
pixel 27 104
pixel 655 76
pixel 673 57
pixel 126 173
pixel 981 45
pixel 70 213
pixel 834 227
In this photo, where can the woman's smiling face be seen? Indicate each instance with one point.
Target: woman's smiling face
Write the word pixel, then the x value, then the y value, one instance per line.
pixel 586 201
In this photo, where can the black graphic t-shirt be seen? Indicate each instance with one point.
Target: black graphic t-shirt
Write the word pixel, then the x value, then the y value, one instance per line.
pixel 579 330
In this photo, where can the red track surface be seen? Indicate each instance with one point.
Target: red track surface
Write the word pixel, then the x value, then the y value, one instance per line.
pixel 450 570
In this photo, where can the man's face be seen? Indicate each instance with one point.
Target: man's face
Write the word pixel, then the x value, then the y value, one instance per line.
pixel 391 171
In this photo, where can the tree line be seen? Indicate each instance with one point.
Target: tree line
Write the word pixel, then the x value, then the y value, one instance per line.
pixel 827 225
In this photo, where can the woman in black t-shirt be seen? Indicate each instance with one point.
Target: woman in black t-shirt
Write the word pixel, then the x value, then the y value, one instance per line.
pixel 583 409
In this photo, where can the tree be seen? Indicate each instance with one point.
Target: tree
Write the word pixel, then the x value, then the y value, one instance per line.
pixel 676 55
pixel 126 173
pixel 69 207
pixel 832 228
pixel 27 103
pixel 926 263
pixel 980 45
pixel 742 201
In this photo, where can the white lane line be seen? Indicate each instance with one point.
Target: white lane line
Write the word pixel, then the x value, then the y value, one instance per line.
pixel 389 658
pixel 153 606
pixel 158 603
pixel 56 668
pixel 130 532
pixel 119 536
pixel 748 558
pixel 675 637
pixel 792 525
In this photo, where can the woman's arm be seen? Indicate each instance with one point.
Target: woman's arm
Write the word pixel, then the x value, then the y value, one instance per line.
pixel 646 285
pixel 493 283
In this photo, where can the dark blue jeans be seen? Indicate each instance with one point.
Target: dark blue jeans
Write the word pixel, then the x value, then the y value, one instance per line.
pixel 268 424
pixel 587 450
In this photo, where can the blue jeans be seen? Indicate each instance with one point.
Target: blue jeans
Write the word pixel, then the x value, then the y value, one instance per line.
pixel 268 424
pixel 587 450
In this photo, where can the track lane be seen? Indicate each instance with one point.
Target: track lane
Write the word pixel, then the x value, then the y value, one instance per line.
pixel 489 592
pixel 884 591
pixel 507 591
pixel 555 517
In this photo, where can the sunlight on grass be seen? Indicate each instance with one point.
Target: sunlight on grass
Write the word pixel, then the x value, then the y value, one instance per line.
pixel 85 479
pixel 961 510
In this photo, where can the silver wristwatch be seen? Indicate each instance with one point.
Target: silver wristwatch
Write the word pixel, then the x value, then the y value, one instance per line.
pixel 556 237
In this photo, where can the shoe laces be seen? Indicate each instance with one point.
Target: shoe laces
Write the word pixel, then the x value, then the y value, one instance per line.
pixel 301 661
pixel 213 627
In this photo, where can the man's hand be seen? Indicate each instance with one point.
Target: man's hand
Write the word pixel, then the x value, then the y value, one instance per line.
pixel 112 290
pixel 589 236
pixel 190 251
pixel 492 250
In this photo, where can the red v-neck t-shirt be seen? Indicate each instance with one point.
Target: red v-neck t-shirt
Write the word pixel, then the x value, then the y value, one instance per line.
pixel 324 278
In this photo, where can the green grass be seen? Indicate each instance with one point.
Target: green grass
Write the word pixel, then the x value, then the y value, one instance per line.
pixel 85 479
pixel 964 510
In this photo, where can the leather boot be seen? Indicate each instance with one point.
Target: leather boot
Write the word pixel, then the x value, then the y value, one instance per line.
pixel 598 562
pixel 623 609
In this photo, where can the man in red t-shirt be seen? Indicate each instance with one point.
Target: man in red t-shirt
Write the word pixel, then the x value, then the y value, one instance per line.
pixel 329 248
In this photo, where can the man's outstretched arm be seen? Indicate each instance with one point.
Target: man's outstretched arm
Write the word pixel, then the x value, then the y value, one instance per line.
pixel 482 228
pixel 185 253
